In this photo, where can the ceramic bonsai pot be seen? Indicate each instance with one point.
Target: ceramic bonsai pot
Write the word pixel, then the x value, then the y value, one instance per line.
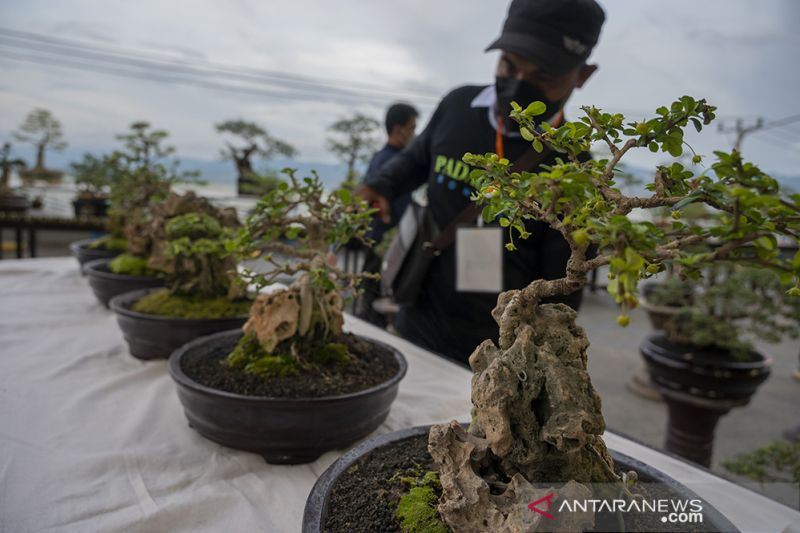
pixel 83 253
pixel 156 337
pixel 106 284
pixel 91 207
pixel 317 506
pixel 700 386
pixel 14 203
pixel 282 430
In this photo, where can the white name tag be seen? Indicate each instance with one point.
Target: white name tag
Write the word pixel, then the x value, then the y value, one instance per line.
pixel 479 260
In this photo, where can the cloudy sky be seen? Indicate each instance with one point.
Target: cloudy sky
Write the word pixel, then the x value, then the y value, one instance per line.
pixel 297 66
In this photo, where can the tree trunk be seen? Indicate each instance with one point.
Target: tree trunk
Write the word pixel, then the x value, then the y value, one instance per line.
pixel 40 156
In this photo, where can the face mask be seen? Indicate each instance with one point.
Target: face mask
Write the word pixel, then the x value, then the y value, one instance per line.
pixel 520 91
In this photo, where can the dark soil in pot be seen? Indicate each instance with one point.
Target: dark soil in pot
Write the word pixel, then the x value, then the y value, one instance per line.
pixel 106 284
pixel 292 419
pixel 704 372
pixel 156 337
pixel 359 491
pixel 82 251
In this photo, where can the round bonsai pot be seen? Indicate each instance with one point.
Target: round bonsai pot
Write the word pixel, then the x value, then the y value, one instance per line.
pixel 83 253
pixel 699 386
pixel 14 203
pixel 156 337
pixel 106 284
pixel 317 508
pixel 282 430
pixel 90 207
pixel 659 315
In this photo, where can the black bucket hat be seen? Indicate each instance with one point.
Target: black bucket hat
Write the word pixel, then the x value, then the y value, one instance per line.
pixel 556 35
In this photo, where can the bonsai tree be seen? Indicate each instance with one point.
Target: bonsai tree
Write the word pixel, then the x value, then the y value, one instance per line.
pixel 185 238
pixel 144 175
pixel 777 462
pixel 7 164
pixel 536 416
pixel 43 131
pixel 728 308
pixel 354 140
pixel 297 327
pixel 253 140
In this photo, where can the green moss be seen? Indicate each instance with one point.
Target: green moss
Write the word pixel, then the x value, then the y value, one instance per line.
pixel 113 244
pixel 249 356
pixel 416 509
pixel 332 353
pixel 163 303
pixel 132 265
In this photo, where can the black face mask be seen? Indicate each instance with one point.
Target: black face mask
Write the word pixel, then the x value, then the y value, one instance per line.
pixel 515 90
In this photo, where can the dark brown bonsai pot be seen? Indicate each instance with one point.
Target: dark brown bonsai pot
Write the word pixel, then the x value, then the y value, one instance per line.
pixel 700 385
pixel 318 509
pixel 106 284
pixel 14 203
pixel 90 206
pixel 156 337
pixel 83 252
pixel 282 430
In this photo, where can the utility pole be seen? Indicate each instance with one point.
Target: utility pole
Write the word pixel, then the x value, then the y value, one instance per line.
pixel 741 131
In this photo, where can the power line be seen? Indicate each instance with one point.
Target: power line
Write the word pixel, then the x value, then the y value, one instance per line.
pixel 173 79
pixel 21 39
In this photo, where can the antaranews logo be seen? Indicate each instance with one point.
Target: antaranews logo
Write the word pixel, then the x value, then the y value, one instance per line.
pixel 672 511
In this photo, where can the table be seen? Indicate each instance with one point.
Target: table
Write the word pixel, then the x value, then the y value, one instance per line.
pixel 92 439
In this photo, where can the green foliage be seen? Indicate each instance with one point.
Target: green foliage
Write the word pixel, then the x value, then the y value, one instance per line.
pixel 257 141
pixel 729 307
pixel 250 357
pixel 354 140
pixel 132 265
pixel 144 175
pixel 778 461
pixel 416 509
pixel 582 200
pixel 299 210
pixel 41 129
pixel 163 303
pixel 110 243
pixel 95 174
pixel 257 184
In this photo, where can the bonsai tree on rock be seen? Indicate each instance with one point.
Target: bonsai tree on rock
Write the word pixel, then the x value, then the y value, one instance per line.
pixel 300 324
pixel 185 241
pixel 43 131
pixel 536 416
pixel 254 140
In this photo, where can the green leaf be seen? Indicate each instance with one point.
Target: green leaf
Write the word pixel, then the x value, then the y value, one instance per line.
pixel 537 145
pixel 535 109
pixel 526 133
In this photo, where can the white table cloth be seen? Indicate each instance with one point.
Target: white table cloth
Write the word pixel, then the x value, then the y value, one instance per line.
pixel 92 439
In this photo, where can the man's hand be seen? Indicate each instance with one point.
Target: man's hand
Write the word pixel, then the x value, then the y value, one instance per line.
pixel 375 200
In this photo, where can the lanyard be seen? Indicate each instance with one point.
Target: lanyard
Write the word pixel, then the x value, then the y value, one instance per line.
pixel 498 138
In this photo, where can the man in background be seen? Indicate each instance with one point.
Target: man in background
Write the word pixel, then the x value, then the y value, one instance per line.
pixel 401 125
pixel 544 45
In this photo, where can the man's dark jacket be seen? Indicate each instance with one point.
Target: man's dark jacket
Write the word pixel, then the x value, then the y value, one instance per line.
pixel 444 320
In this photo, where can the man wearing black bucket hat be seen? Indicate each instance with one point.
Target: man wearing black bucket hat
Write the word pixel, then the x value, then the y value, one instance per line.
pixel 544 49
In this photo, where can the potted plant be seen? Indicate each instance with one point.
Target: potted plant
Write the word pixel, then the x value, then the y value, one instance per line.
pixel 703 360
pixel 9 200
pixel 141 178
pixel 291 383
pixel 43 131
pixel 185 239
pixel 93 177
pixel 536 418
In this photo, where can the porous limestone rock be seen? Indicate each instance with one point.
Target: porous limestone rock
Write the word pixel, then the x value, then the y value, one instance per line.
pixel 273 318
pixel 536 419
